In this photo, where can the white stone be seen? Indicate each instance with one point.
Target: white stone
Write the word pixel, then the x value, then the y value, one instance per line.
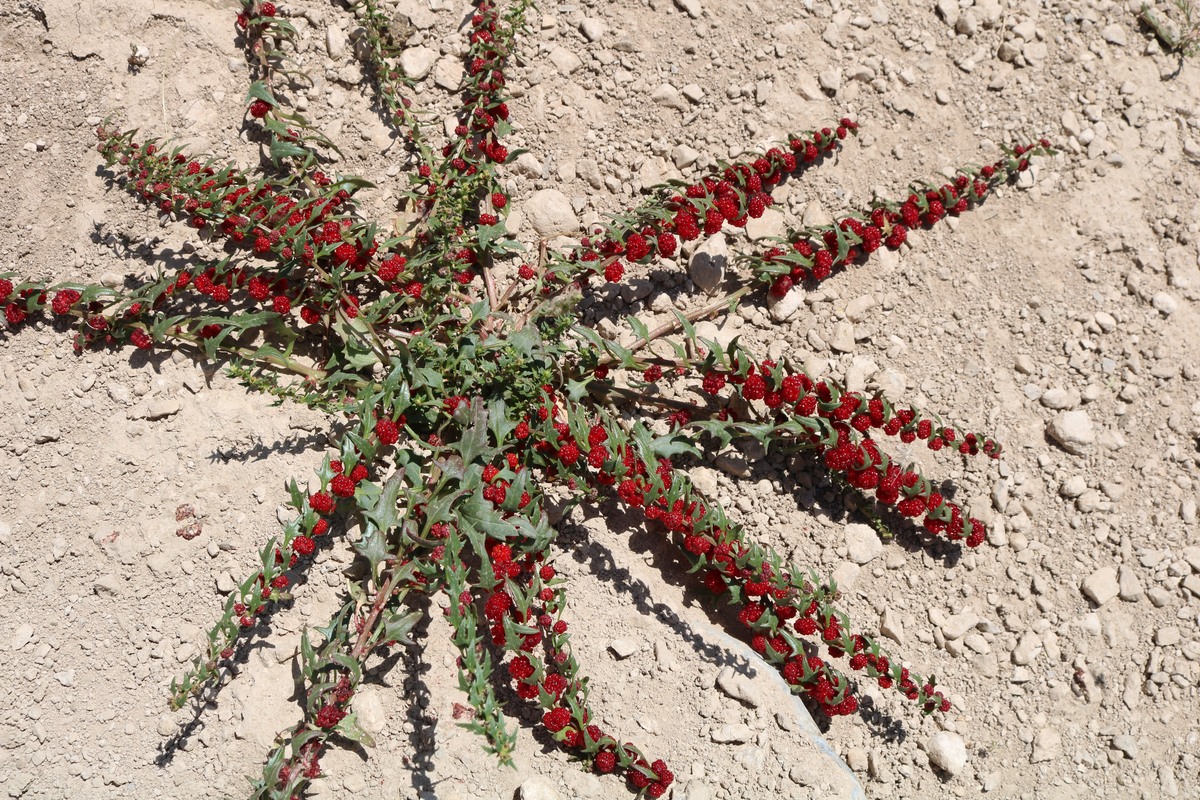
pixel 335 42
pixel 417 62
pixel 862 543
pixel 592 29
pixel 21 636
pixel 448 72
pixel 768 225
pixel 537 788
pixel 1073 430
pixel 739 687
pixel 707 264
pixel 784 308
pixel 1165 304
pixel 690 7
pixel 733 734
pixel 857 309
pixel 623 648
pixel 1047 745
pixel 684 156
pixel 564 60
pixel 550 213
pixel 1101 586
pixel 891 627
pixel 947 751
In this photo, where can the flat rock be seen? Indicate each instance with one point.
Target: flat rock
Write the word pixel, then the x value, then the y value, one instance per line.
pixel 21 636
pixel 1101 586
pixel 784 308
pixel 162 407
pixel 707 264
pixel 739 687
pixel 862 544
pixel 537 788
pixel 947 751
pixel 417 62
pixel 769 224
pixel 1047 746
pixel 564 60
pixel 1073 431
pixel 623 648
pixel 550 213
pixel 732 734
pixel 684 156
pixel 448 73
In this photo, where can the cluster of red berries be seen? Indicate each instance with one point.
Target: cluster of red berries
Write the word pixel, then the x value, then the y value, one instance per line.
pixel 741 192
pixel 814 255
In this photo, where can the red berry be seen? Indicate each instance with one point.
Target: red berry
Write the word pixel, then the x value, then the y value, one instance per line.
pixel 259 109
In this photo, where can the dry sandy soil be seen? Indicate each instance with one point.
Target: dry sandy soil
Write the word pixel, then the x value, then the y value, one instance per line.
pixel 1070 644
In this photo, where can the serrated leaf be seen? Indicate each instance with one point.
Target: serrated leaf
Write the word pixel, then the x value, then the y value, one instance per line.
pixel 639 327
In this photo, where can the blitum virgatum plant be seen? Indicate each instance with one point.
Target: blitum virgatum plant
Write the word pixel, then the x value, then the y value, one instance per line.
pixel 465 387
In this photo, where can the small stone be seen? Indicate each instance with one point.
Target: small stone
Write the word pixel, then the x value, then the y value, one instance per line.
pixel 890 626
pixel 623 648
pixel 107 585
pixel 732 734
pixel 1059 399
pixel 1165 304
pixel 947 751
pixel 1167 637
pixel 1114 34
pixel 1126 744
pixel 564 60
pixel 862 543
pixel 667 95
pixel 1130 588
pixel 690 7
pixel 956 626
pixel 684 156
pixel 1047 746
pixel 417 62
pixel 707 264
pixel 830 80
pixel 770 224
pixel 225 583
pixel 858 308
pixel 1027 649
pixel 843 337
pixel 335 42
pixel 1073 486
pixel 162 407
pixel 448 73
pixel 739 687
pixel 592 29
pixel 856 759
pixel 537 788
pixel 784 308
pixel 550 213
pixel 47 435
pixel 21 636
pixel 1073 430
pixel 1101 586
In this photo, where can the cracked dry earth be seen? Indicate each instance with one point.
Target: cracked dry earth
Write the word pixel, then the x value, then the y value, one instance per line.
pixel 1062 317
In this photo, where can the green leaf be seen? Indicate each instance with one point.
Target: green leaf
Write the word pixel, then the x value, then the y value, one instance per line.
pixel 639 328
pixel 349 728
pixel 259 91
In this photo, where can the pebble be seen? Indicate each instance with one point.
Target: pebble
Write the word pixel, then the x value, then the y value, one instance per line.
pixel 225 583
pixel 1073 486
pixel 843 337
pixel 947 751
pixel 1165 303
pixel 564 60
pixel 107 584
pixel 707 264
pixel 1027 649
pixel 830 80
pixel 1126 744
pixel 162 407
pixel 784 308
pixel 1047 746
pixel 1167 636
pixel 537 788
pixel 448 72
pixel 335 42
pixel 1114 34
pixel 21 636
pixel 47 435
pixel 732 734
pixel 1073 430
pixel 684 156
pixel 550 213
pixel 739 687
pixel 1101 586
pixel 623 648
pixel 1059 399
pixel 858 308
pixel 592 29
pixel 863 544
pixel 1130 588
pixel 417 62
pixel 891 626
